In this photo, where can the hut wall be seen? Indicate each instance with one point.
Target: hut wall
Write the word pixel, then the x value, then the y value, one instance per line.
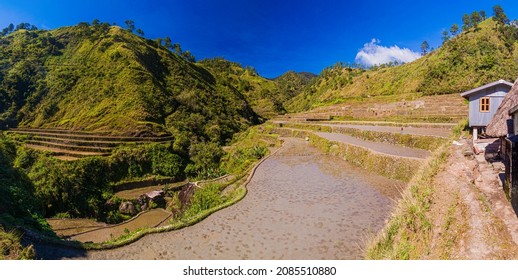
pixel 515 124
pixel 511 174
pixel 496 95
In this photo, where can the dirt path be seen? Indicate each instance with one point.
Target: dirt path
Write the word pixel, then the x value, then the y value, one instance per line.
pixel 471 215
pixel 379 147
pixel 300 205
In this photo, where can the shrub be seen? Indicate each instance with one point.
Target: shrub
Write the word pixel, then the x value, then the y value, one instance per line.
pixel 204 199
pixel 205 159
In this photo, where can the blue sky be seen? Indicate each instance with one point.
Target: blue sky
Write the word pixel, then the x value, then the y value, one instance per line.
pixel 272 36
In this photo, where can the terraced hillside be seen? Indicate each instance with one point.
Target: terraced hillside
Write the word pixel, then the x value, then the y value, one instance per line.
pixel 392 151
pixel 473 58
pixel 449 108
pixel 72 145
pixel 103 78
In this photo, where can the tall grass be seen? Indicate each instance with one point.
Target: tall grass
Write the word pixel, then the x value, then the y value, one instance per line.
pixel 408 232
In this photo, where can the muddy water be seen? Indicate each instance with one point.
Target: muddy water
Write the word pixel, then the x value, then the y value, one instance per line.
pixel 300 205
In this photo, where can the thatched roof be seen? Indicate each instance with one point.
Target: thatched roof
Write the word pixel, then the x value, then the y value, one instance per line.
pixel 498 126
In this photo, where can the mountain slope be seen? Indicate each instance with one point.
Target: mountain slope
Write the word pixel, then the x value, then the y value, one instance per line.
pixel 104 78
pixel 267 97
pixel 473 58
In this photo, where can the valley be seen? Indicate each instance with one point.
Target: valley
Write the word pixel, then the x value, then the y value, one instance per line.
pixel 114 146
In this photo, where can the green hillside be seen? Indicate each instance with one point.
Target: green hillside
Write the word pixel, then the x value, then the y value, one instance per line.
pixel 291 84
pixel 267 97
pixel 104 78
pixel 260 92
pixel 473 58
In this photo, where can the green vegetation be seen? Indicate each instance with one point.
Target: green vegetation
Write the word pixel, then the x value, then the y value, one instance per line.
pixel 429 143
pixel 81 188
pixel 104 78
pixel 11 248
pixel 473 58
pixel 35 185
pixel 267 97
pixel 18 207
pixel 407 234
pixel 247 147
pixel 408 231
pixel 204 199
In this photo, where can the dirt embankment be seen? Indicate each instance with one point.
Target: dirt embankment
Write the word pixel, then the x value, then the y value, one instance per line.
pixel 458 210
pixel 472 217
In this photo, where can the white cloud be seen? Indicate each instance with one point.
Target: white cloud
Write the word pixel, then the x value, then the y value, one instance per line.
pixel 374 54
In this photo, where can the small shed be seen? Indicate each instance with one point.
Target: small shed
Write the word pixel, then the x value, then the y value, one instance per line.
pixel 484 102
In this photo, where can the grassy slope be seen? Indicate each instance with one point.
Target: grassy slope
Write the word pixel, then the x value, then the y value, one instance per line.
pixel 255 88
pixel 267 97
pixel 471 59
pixel 104 78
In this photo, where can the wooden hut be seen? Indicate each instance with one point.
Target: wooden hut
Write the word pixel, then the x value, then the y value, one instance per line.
pixel 484 102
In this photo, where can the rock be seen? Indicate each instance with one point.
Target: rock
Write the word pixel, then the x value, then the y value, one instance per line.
pixel 157 197
pixel 154 195
pixel 127 208
pixel 468 154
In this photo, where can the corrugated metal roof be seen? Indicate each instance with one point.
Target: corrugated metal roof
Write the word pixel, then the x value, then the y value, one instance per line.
pixel 469 92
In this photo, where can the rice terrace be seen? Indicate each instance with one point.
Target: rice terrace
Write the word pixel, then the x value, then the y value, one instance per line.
pixel 116 146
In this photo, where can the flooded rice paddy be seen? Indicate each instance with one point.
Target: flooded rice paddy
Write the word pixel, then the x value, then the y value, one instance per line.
pixel 300 205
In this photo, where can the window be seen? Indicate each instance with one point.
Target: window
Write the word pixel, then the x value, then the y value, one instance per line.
pixel 484 104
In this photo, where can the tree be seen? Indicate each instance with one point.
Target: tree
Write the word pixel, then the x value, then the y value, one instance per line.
pixel 177 48
pixel 140 32
pixel 158 41
pixel 26 26
pixel 454 30
pixel 188 56
pixel 475 19
pixel 130 25
pixel 445 36
pixel 483 15
pixel 95 22
pixel 499 15
pixel 167 43
pixel 466 22
pixel 424 47
pixel 83 24
pixel 10 28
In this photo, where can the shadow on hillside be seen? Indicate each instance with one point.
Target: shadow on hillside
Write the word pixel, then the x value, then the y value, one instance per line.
pixel 56 252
